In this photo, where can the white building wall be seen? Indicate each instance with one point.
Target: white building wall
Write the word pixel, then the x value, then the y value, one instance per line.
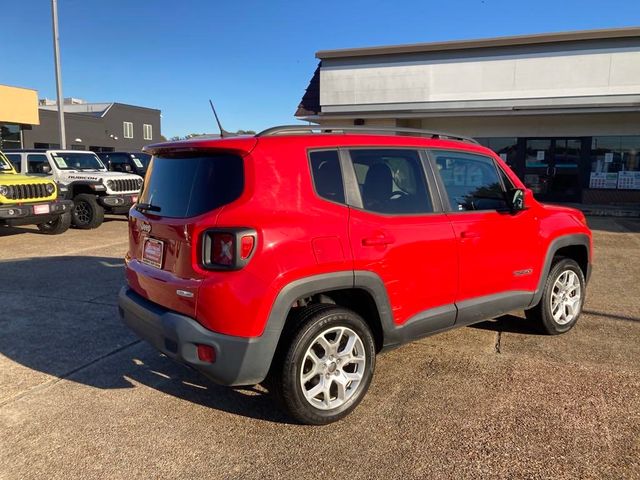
pixel 614 71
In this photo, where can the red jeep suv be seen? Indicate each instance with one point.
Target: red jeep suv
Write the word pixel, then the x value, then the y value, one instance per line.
pixel 296 255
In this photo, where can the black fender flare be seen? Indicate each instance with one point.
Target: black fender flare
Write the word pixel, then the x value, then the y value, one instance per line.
pixel 573 239
pixel 316 284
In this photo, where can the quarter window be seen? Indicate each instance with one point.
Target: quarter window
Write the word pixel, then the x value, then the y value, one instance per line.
pixel 147 131
pixel 327 176
pixel 127 129
pixel 391 181
pixel 471 181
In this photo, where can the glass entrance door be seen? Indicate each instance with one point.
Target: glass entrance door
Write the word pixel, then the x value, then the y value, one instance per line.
pixel 552 168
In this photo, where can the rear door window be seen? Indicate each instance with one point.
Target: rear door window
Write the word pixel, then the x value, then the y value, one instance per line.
pixel 181 186
pixel 391 181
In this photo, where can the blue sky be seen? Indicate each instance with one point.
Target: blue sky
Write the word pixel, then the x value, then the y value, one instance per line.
pixel 254 59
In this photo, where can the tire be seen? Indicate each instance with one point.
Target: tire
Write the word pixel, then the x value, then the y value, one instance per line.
pixel 86 213
pixel 566 302
pixel 57 226
pixel 339 327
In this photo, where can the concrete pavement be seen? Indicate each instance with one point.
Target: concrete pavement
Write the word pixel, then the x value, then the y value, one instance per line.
pixel 81 397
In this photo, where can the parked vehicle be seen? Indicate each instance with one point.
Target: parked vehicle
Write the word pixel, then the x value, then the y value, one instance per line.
pixel 294 257
pixel 31 201
pixel 136 162
pixel 93 189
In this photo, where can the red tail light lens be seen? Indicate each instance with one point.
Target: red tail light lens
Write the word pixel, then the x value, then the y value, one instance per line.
pixel 246 246
pixel 223 249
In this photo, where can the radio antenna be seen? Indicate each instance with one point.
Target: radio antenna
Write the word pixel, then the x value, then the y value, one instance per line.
pixel 223 132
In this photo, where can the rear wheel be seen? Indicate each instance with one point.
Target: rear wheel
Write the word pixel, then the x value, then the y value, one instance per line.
pixel 87 213
pixel 562 298
pixel 325 370
pixel 56 226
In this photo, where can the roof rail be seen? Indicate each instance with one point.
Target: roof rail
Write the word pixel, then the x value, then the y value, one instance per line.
pixel 332 129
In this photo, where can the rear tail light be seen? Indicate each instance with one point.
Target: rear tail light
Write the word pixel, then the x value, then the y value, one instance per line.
pixel 228 248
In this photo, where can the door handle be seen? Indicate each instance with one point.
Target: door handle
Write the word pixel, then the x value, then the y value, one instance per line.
pixel 376 241
pixel 467 234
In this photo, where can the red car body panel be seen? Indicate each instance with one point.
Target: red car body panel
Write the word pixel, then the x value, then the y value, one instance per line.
pixel 425 261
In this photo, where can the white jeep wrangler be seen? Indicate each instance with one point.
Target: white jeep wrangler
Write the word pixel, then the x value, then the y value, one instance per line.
pixel 83 178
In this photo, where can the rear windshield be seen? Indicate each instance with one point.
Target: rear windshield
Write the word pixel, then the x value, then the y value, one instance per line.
pixel 186 186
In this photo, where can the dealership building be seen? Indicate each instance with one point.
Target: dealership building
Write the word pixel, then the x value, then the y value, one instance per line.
pixel 26 122
pixel 562 109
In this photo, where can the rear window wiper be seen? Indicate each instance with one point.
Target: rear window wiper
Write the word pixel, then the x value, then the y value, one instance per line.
pixel 147 207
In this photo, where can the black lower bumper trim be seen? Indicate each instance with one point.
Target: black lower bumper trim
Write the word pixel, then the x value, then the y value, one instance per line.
pixel 239 360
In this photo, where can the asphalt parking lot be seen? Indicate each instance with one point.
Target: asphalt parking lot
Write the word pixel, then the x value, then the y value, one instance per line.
pixel 81 397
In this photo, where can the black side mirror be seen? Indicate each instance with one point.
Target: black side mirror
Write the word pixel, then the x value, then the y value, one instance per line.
pixel 516 199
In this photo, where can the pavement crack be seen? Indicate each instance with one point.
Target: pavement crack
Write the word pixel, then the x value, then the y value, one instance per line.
pixel 66 375
pixel 498 344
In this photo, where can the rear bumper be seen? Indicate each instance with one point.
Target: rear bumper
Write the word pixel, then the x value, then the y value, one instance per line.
pixel 239 361
pixel 14 215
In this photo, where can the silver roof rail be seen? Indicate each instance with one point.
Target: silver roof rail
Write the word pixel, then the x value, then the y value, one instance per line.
pixel 333 129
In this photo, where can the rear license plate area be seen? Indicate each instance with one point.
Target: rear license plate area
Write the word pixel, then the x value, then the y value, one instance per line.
pixel 153 252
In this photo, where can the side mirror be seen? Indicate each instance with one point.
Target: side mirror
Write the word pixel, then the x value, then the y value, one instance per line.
pixel 516 199
pixel 46 169
pixel 127 167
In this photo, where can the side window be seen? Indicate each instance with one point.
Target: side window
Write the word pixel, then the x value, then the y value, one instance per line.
pixel 15 159
pixel 391 181
pixel 36 163
pixel 471 181
pixel 327 176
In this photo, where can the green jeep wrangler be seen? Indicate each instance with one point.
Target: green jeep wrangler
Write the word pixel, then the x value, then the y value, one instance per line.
pixel 26 200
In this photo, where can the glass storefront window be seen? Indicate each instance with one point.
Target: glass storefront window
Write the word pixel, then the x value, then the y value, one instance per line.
pixel 537 153
pixel 615 163
pixel 9 136
pixel 505 147
pixel 615 154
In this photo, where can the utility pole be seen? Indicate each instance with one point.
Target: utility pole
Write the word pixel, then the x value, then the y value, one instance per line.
pixel 56 54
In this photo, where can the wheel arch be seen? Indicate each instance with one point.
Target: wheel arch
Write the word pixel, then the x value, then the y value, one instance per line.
pixel 362 292
pixel 576 246
pixel 76 188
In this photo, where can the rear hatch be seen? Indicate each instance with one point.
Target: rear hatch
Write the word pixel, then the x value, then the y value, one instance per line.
pixel 183 194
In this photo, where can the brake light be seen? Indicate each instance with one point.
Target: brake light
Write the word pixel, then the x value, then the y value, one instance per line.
pixel 227 248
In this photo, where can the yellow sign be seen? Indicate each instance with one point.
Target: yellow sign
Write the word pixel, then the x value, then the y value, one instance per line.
pixel 19 105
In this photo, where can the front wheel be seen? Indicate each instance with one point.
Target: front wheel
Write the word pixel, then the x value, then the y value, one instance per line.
pixel 56 226
pixel 562 298
pixel 327 367
pixel 87 213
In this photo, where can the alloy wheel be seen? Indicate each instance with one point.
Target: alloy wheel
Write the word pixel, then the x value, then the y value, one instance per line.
pixel 566 296
pixel 333 368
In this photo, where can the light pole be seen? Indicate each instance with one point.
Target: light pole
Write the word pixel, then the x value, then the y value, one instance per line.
pixel 56 54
